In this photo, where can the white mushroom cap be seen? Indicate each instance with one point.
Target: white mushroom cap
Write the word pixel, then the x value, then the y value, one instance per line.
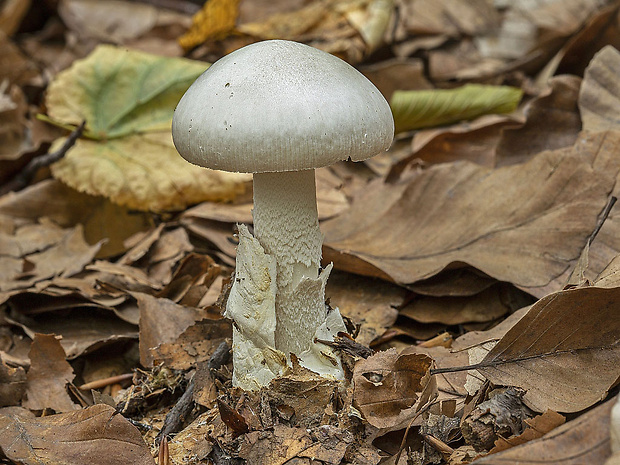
pixel 280 106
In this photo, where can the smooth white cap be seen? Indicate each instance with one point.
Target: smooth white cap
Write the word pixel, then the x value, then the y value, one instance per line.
pixel 280 106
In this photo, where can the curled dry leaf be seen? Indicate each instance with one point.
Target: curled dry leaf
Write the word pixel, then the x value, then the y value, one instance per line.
pixel 389 388
pixel 537 427
pixel 12 384
pixel 564 352
pixel 583 440
pixel 95 435
pixel 529 233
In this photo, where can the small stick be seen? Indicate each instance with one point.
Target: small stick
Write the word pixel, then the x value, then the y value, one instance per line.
pixel 22 179
pixel 164 453
pixel 99 383
pixel 444 449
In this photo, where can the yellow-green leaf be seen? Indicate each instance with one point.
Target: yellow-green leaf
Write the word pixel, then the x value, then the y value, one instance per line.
pixel 120 92
pixel 415 109
pixel 144 172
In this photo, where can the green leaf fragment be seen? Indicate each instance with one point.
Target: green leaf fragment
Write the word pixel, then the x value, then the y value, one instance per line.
pixel 415 109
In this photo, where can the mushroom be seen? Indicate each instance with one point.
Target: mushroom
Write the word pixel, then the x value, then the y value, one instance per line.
pixel 280 109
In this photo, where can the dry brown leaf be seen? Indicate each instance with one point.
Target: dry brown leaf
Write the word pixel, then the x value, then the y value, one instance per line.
pixel 67 207
pixel 389 388
pixel 487 305
pixel 601 29
pixel 48 376
pixel 95 435
pixel 475 141
pixel 161 320
pixel 537 427
pixel 369 302
pixel 599 98
pixel 12 384
pixel 552 122
pixel 529 232
pixel 83 329
pixel 564 352
pixel 194 345
pixel 449 17
pixel 275 447
pixel 583 440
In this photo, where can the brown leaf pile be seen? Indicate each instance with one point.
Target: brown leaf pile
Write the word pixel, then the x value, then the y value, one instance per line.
pixel 477 264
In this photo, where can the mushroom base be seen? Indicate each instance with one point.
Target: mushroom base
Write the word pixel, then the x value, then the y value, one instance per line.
pixel 277 300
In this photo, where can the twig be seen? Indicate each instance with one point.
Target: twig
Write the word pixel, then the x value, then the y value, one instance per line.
pixel 164 453
pixel 182 410
pixel 99 383
pixel 23 178
pixel 404 440
pixel 610 204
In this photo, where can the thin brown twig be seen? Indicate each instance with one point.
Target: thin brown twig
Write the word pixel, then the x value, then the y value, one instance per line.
pixel 99 383
pixel 420 412
pixel 23 178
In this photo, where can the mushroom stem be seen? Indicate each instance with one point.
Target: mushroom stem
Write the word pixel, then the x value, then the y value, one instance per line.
pixel 286 225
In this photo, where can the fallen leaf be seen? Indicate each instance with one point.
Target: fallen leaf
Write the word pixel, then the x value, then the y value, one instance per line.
pixel 161 320
pixel 537 427
pixel 389 388
pixel 12 384
pixel 528 235
pixel 583 440
pixel 564 352
pixel 552 121
pixel 372 303
pixel 127 99
pixel 194 345
pixel 95 433
pixel 214 21
pixel 488 305
pixel 67 207
pixel 112 21
pixel 163 182
pixel 48 376
pixel 415 109
pixel 599 97
pixel 120 92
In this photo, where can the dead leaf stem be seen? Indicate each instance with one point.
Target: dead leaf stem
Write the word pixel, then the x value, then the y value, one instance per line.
pixel 494 363
pixel 22 179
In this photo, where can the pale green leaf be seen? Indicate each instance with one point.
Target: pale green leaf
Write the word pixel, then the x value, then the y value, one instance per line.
pixel 144 172
pixel 415 109
pixel 120 92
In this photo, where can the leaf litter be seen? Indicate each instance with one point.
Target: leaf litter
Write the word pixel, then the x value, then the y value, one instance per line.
pixel 469 337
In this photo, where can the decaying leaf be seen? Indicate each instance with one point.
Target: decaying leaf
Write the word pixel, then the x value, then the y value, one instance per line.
pixel 528 233
pixel 161 320
pixel 163 181
pixel 537 427
pixel 564 352
pixel 599 97
pixel 94 435
pixel 12 384
pixel 583 440
pixel 426 108
pixel 127 99
pixel 48 376
pixel 389 388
